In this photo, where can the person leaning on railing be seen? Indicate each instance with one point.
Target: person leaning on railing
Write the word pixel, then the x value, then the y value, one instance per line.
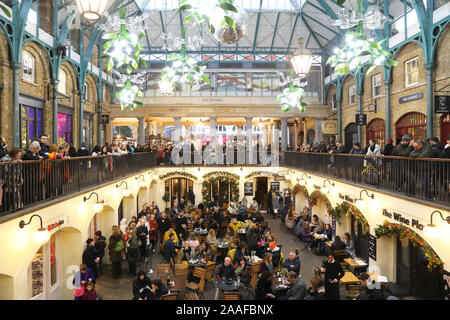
pixel 12 187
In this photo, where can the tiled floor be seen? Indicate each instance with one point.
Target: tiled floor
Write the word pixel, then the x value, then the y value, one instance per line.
pixel 121 289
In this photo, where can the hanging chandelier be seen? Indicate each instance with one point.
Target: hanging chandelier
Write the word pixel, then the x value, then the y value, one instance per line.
pixel 92 9
pixel 372 19
pixel 301 60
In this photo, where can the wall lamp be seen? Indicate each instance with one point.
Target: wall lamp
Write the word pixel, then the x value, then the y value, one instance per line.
pixel 430 229
pixel 98 206
pixel 324 189
pixel 287 176
pixel 302 181
pixel 360 203
pixel 143 183
pixel 41 235
pixel 125 192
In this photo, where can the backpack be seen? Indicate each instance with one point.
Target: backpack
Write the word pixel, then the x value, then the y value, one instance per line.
pixel 119 246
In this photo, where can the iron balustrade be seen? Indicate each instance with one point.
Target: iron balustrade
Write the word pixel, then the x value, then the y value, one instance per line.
pixel 426 179
pixel 29 183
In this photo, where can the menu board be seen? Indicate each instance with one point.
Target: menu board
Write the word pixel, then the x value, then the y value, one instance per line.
pixel 37 274
pixel 275 186
pixel 248 189
pixel 372 247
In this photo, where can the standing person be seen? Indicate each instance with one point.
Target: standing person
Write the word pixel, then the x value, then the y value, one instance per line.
pixel 83 152
pixel 80 279
pixel 90 256
pixel 153 231
pixel 436 147
pixel 164 224
pixel 100 245
pixel 404 148
pixel 169 249
pixel 89 292
pixel 333 273
pixel 33 151
pixel 3 147
pixel 269 202
pixel 275 205
pixel 132 251
pixel 142 233
pixel 388 148
pixel 445 154
pixel 298 289
pixel 115 248
pixel 180 225
pixel 43 142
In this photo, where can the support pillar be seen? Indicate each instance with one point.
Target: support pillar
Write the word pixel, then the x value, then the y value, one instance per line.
pixel 81 119
pixel 213 130
pixel 339 119
pixel 359 128
pixel 141 135
pixel 55 112
pixel 319 134
pixel 99 122
pixel 429 67
pixel 16 106
pixel 177 129
pixel 249 140
pixel 284 134
pixel 265 135
pixel 387 86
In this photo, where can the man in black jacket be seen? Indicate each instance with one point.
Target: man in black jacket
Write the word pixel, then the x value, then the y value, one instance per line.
pixel 164 224
pixel 225 270
pixel 45 148
pixel 180 225
pixel 90 256
pixel 142 233
pixel 333 273
pixel 169 248
pixel 100 245
pixel 436 147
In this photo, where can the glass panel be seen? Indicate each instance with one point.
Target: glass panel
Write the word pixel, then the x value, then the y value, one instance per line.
pixel 37 273
pixel 53 275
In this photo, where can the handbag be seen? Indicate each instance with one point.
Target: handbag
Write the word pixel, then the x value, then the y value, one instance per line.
pixel 80 291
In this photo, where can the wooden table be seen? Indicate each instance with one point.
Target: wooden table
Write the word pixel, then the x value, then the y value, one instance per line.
pixel 355 264
pixel 349 278
pixel 319 237
pixel 328 243
pixel 178 283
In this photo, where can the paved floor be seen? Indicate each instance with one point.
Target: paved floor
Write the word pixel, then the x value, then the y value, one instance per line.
pixel 121 289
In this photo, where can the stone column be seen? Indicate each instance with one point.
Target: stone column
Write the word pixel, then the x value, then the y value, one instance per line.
pixel 269 133
pixel 284 134
pixel 265 133
pixel 249 144
pixel 177 129
pixel 109 133
pixel 212 130
pixel 295 136
pixel 319 135
pixel 141 135
pixel 148 129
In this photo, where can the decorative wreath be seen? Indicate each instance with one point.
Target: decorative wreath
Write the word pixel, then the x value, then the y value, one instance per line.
pixel 178 173
pixel 317 195
pixel 259 173
pixel 393 229
pixel 222 176
pixel 302 189
pixel 346 208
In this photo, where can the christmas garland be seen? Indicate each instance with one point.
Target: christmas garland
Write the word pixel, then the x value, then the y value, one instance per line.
pixel 347 208
pixel 302 189
pixel 178 173
pixel 392 229
pixel 222 176
pixel 319 195
pixel 259 173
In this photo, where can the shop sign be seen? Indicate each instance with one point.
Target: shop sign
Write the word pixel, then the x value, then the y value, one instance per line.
pixel 279 178
pixel 401 218
pixel 372 247
pixel 275 186
pixel 346 198
pixel 248 189
pixel 55 225
pixel 329 127
pixel 442 104
pixel 411 97
pixel 105 119
pixel 361 119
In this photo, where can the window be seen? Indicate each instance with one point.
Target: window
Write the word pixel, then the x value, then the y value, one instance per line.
pixel 27 66
pixel 86 92
pixel 65 127
pixel 30 124
pixel 333 102
pixel 376 85
pixel 62 82
pixel 412 72
pixel 352 94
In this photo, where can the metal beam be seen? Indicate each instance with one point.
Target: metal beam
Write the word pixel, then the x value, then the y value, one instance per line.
pixel 312 33
pixel 321 24
pixel 275 30
pixel 407 3
pixel 292 33
pixel 316 7
pixel 257 25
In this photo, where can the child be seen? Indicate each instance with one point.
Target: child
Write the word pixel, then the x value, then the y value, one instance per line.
pixel 89 292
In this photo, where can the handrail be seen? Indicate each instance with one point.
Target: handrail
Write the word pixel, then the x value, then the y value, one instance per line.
pixel 372 156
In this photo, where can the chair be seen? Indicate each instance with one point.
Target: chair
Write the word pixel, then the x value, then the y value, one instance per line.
pixel 190 296
pixel 181 269
pixel 170 296
pixel 339 255
pixel 353 291
pixel 200 274
pixel 256 267
pixel 161 271
pixel 231 296
pixel 253 283
pixel 210 268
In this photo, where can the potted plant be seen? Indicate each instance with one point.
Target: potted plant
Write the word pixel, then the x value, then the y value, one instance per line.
pixel 166 199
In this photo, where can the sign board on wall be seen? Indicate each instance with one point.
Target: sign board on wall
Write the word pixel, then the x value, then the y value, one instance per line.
pixel 442 104
pixel 248 189
pixel 411 97
pixel 105 119
pixel 275 186
pixel 372 247
pixel 361 119
pixel 403 219
pixel 329 127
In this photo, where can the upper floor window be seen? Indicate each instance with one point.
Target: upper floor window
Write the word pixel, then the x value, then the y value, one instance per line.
pixel 333 102
pixel 412 72
pixel 62 82
pixel 86 92
pixel 28 66
pixel 352 94
pixel 376 85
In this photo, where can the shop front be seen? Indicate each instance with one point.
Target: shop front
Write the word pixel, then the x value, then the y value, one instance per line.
pixel 414 124
pixel 179 188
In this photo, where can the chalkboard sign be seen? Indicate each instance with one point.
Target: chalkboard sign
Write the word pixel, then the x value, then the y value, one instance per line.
pixel 275 186
pixel 442 104
pixel 361 119
pixel 248 189
pixel 372 247
pixel 105 119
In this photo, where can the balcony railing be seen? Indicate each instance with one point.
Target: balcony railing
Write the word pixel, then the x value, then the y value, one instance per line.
pixel 426 179
pixel 29 183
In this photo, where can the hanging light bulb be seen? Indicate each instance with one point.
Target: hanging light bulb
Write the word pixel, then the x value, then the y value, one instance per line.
pixel 126 192
pixel 97 207
pixel 92 9
pixel 143 183
pixel 41 235
pixel 432 231
pixel 301 60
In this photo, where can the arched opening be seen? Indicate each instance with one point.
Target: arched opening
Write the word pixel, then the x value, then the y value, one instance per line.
pixel 300 198
pixel 51 266
pixel 104 221
pixel 129 208
pixel 414 124
pixel 376 130
pixel 261 192
pixel 180 188
pixel 310 136
pixel 301 137
pixel 445 128
pixel 142 197
pixel 7 285
pixel 351 134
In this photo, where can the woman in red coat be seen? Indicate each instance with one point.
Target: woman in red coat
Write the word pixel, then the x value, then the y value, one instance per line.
pixel 153 231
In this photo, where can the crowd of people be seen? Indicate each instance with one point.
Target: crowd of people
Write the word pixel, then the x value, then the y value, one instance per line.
pixel 171 233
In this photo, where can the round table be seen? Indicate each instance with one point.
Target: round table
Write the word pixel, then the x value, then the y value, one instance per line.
pixel 199 263
pixel 222 247
pixel 227 286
